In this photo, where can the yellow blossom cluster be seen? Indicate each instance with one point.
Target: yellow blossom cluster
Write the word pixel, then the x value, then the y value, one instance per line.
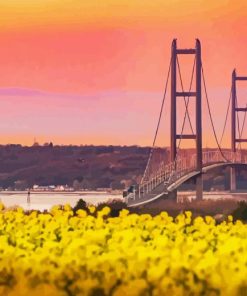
pixel 91 253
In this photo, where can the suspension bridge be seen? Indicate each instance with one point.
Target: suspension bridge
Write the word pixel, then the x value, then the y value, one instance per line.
pixel 162 178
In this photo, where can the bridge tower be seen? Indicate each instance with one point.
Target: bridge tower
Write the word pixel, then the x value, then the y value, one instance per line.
pixel 235 109
pixel 198 110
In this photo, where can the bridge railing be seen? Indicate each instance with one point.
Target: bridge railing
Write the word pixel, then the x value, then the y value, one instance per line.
pixel 169 173
pixel 214 156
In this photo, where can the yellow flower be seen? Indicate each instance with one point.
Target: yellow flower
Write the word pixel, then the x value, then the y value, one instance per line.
pixel 1 207
pixel 209 220
pixel 67 208
pixel 104 212
pixel 92 209
pixel 81 213
pixel 124 213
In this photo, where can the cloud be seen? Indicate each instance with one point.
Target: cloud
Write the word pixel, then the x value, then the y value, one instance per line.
pixel 26 92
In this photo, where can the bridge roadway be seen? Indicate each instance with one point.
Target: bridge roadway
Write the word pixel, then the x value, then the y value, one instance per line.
pixel 164 190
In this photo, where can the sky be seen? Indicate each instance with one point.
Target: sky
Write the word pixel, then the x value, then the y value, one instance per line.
pixel 93 72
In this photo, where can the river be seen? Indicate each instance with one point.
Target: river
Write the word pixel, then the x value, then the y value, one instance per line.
pixel 45 200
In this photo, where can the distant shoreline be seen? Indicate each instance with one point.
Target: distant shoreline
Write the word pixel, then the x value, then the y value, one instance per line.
pixel 60 192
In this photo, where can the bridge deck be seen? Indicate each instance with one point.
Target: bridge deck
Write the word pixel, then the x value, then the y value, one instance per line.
pixel 161 190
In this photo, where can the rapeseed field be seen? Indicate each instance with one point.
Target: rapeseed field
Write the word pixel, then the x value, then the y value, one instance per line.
pixel 90 253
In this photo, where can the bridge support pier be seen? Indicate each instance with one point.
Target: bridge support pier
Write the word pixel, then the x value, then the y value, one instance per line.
pixel 173 195
pixel 199 188
pixel 198 110
pixel 233 182
pixel 235 110
pixel 233 170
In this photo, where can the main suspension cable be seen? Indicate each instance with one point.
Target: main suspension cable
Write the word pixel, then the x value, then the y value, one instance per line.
pixel 158 124
pixel 186 113
pixel 239 133
pixel 211 117
pixel 242 129
pixel 227 113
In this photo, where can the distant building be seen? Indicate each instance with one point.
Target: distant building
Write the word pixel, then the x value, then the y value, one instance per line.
pixel 43 188
pixel 58 188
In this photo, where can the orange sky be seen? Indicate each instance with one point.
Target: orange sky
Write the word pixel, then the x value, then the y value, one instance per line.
pixel 92 72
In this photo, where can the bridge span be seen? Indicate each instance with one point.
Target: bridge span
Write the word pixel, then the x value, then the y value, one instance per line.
pixel 162 178
pixel 169 177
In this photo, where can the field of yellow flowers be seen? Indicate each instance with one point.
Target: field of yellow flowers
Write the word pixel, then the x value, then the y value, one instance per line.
pixel 90 253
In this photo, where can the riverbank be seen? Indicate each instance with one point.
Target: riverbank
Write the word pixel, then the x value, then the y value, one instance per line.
pixel 212 201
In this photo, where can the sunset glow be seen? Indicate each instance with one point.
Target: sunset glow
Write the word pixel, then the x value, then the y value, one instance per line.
pixel 92 72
